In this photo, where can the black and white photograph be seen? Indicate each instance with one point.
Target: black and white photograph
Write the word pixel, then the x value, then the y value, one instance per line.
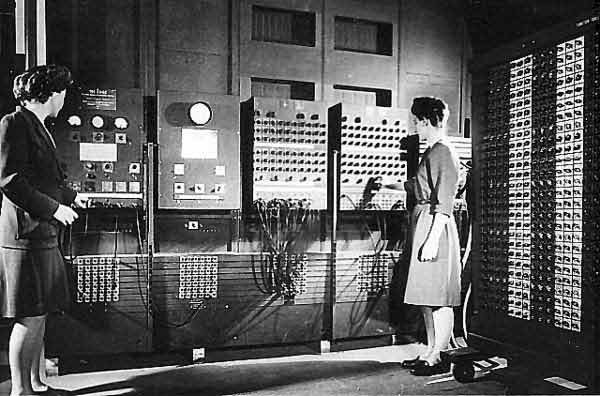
pixel 299 197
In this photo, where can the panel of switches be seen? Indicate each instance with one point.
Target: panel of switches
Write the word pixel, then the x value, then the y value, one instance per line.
pixel 570 60
pixel 373 273
pixel 533 186
pixel 97 279
pixel 198 277
pixel 543 180
pixel 284 151
pixel 519 188
pixel 369 141
pixel 198 157
pixel 494 194
pixel 100 143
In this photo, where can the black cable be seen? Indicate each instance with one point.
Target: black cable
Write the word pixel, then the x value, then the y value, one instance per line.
pixel 137 264
pixel 267 265
pixel 116 231
pixel 71 260
pixel 151 306
pixel 299 225
pixel 281 223
pixel 115 262
pixel 364 222
pixel 263 220
pixel 74 268
pixel 172 325
pixel 380 226
pixel 70 246
pixel 266 287
pixel 156 313
pixel 261 287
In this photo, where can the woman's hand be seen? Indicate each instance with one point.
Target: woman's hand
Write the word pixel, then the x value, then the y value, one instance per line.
pixel 65 215
pixel 394 186
pixel 428 251
pixel 81 202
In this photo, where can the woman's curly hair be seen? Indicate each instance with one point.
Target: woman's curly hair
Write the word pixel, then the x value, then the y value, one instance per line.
pixel 40 82
pixel 433 109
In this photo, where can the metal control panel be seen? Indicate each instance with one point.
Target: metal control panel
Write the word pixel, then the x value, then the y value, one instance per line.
pixel 369 141
pixel 537 200
pixel 536 235
pixel 97 279
pixel 284 151
pixel 373 272
pixel 198 277
pixel 198 138
pixel 100 144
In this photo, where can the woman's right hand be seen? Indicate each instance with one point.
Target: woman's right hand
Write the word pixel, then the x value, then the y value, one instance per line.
pixel 394 186
pixel 428 251
pixel 373 185
pixel 65 215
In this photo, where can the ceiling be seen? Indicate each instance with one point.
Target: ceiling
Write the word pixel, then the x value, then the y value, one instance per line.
pixel 495 22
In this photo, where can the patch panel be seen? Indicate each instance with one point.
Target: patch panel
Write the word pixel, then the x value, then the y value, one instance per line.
pixel 198 277
pixel 284 151
pixel 373 272
pixel 97 279
pixel 371 142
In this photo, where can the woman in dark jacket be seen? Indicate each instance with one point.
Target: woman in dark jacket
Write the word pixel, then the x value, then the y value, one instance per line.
pixel 36 203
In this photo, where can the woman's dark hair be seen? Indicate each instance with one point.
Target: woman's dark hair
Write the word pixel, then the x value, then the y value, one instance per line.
pixel 433 109
pixel 40 82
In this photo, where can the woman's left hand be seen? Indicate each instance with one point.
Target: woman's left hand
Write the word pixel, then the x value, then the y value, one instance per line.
pixel 428 251
pixel 81 202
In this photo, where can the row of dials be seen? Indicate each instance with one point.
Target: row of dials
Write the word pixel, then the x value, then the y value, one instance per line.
pixel 100 122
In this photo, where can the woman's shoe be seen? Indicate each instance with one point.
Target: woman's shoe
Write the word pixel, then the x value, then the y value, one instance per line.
pixel 412 363
pixel 54 392
pixel 441 367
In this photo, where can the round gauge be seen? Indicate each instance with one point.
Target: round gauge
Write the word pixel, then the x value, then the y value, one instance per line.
pixel 200 113
pixel 121 123
pixel 97 121
pixel 74 121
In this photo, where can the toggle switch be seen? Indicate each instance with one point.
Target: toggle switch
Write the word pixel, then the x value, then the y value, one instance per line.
pixel 219 188
pixel 179 188
pixel 108 167
pixel 134 168
pixel 121 138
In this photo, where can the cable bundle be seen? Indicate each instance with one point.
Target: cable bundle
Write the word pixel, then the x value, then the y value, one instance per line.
pixel 287 274
pixel 282 222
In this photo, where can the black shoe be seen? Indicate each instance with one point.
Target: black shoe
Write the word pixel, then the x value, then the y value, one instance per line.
pixel 55 392
pixel 405 339
pixel 441 367
pixel 412 363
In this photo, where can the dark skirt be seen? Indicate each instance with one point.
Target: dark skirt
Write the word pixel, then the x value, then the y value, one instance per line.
pixel 32 282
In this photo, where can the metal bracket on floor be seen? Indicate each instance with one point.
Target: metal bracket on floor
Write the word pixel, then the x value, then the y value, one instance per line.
pixel 325 346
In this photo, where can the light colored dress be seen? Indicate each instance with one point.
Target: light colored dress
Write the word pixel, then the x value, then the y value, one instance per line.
pixel 437 282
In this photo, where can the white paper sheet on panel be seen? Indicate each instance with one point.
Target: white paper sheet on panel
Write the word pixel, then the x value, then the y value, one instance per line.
pixel 100 152
pixel 199 143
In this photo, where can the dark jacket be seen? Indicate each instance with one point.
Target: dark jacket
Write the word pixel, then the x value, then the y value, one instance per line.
pixel 32 182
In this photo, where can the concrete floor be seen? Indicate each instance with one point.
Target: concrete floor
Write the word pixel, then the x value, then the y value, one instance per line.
pixel 373 371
